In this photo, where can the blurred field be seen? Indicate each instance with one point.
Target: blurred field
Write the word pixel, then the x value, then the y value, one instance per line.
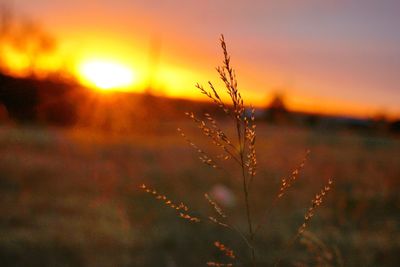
pixel 71 198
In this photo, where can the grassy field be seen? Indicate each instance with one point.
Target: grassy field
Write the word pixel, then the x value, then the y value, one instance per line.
pixel 71 198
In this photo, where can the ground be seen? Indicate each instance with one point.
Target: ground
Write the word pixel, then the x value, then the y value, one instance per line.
pixel 71 198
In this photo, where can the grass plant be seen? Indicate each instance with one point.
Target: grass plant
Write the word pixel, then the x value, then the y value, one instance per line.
pixel 241 150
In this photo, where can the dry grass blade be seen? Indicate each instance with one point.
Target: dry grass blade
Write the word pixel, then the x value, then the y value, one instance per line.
pixel 214 96
pixel 217 222
pixel 164 199
pixel 315 203
pixel 250 135
pixel 216 207
pixel 224 249
pixel 203 156
pixel 215 134
pixel 181 207
pixel 288 182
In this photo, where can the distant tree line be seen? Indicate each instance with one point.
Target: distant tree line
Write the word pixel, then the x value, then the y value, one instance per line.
pixel 63 103
pixel 277 112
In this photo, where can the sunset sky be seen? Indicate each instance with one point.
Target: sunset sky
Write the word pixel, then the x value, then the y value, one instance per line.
pixel 326 56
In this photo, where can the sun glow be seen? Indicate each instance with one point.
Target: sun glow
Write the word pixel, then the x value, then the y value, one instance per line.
pixel 106 75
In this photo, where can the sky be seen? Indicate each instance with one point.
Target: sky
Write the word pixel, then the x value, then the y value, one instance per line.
pixel 328 56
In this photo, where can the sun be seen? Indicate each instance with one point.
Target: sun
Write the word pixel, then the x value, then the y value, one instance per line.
pixel 106 75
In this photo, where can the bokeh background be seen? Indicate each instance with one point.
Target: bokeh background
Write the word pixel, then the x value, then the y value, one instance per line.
pixel 91 95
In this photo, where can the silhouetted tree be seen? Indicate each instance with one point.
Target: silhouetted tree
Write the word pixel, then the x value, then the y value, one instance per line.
pixel 380 121
pixel 277 110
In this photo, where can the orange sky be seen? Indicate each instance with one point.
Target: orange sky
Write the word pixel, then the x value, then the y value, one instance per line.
pixel 332 57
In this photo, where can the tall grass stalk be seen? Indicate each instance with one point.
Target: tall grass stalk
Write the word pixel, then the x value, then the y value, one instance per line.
pixel 242 152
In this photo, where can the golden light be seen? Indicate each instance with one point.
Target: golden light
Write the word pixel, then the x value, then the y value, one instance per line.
pixel 106 75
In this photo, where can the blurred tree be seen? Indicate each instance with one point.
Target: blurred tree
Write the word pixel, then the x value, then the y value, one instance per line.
pixel 277 110
pixel 24 37
pixel 380 121
pixel 35 43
